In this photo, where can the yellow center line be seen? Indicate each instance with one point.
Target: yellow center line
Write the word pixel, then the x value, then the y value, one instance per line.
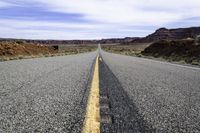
pixel 92 116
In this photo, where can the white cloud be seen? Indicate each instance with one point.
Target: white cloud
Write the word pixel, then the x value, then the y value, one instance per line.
pixel 5 4
pixel 23 24
pixel 134 12
pixel 32 29
pixel 105 18
pixel 151 12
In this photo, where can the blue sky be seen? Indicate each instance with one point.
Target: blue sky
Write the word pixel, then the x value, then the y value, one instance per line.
pixel 93 19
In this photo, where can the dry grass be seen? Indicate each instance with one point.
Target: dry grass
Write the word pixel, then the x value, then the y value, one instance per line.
pixel 75 49
pixel 132 50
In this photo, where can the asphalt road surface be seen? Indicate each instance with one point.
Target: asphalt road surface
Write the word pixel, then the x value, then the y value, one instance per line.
pixel 136 95
pixel 150 96
pixel 44 94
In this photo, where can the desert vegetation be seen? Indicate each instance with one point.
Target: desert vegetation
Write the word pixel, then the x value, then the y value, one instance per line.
pixel 75 49
pixel 179 51
pixel 133 49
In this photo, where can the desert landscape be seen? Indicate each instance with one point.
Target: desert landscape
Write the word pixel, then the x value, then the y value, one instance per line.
pixel 173 45
pixel 99 66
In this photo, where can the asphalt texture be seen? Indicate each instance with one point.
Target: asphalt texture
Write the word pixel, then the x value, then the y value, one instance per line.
pixel 122 112
pixel 136 95
pixel 148 96
pixel 45 94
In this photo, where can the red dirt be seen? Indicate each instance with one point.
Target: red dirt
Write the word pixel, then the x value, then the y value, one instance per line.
pixel 26 49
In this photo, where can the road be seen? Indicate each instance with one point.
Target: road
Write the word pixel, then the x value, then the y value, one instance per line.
pixel 44 94
pixel 136 94
pixel 150 96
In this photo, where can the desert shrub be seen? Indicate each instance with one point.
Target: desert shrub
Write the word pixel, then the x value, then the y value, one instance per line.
pixel 20 57
pixel 19 42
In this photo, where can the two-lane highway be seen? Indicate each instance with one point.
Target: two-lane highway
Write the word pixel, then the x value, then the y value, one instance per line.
pixel 127 95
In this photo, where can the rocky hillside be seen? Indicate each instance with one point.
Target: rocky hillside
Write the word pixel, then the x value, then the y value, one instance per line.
pixel 178 50
pixel 171 34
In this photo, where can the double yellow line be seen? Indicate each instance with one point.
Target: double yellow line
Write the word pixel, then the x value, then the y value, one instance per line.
pixel 92 117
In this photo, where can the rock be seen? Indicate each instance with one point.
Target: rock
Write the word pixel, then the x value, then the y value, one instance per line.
pixel 174 34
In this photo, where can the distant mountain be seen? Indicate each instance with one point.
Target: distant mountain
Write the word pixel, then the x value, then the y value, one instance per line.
pixel 68 42
pixel 160 34
pixel 52 42
pixel 171 34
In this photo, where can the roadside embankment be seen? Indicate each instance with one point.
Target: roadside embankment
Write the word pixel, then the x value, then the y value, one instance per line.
pixel 21 50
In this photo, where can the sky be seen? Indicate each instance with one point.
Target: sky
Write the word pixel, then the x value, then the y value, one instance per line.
pixel 93 19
